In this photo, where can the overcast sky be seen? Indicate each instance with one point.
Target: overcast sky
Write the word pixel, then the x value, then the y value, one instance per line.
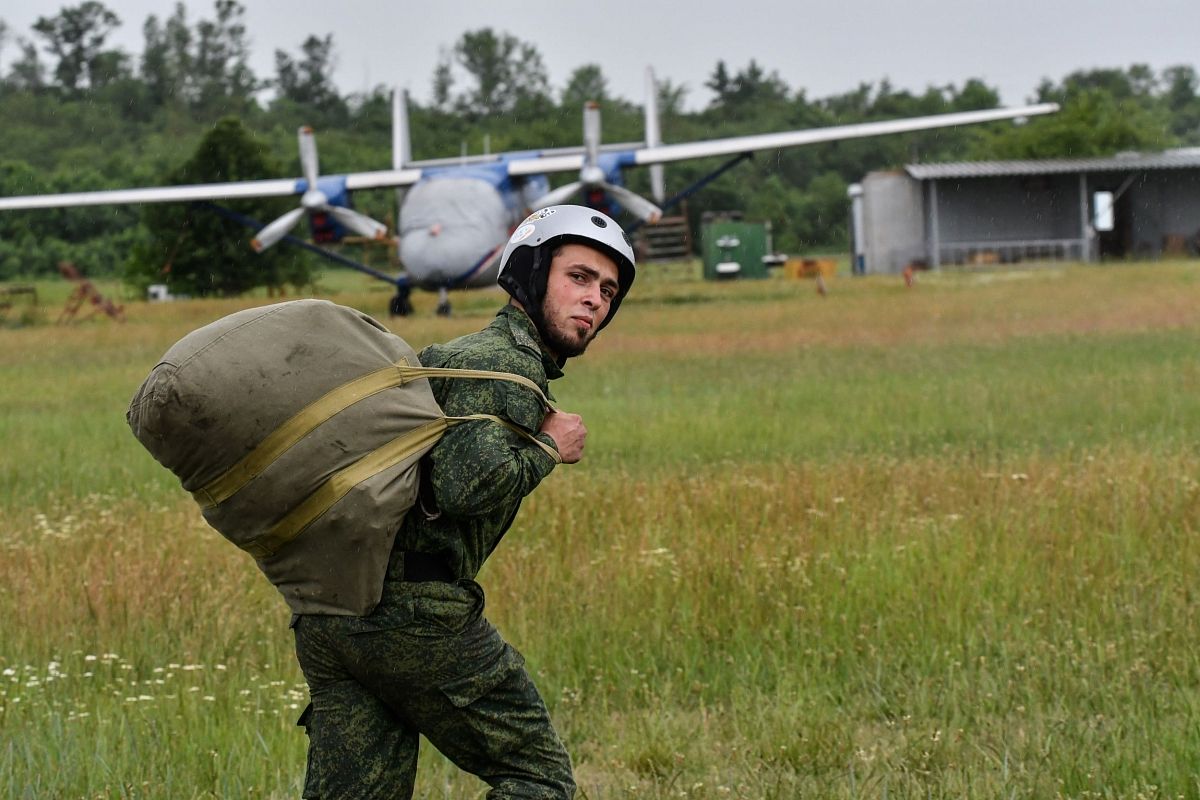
pixel 822 47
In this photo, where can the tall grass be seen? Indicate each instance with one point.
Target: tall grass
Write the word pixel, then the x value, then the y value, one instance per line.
pixel 936 542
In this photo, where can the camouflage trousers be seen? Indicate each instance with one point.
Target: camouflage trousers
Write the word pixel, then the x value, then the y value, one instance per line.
pixel 425 662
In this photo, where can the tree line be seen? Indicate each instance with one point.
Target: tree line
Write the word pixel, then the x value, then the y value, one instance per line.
pixel 77 113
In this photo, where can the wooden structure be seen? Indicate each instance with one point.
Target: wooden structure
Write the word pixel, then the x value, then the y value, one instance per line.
pixel 669 239
pixel 85 292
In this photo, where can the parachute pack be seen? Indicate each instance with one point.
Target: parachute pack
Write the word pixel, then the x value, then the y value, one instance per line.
pixel 298 428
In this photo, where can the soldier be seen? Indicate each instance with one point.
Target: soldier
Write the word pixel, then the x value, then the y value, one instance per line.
pixel 426 661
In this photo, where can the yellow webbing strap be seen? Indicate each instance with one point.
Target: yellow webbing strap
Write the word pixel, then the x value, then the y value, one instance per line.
pixel 280 440
pixel 443 372
pixel 524 434
pixel 300 425
pixel 341 482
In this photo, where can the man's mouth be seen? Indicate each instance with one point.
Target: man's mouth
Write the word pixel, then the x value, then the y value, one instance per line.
pixel 585 322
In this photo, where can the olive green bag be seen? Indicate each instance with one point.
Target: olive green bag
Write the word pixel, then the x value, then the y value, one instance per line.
pixel 298 428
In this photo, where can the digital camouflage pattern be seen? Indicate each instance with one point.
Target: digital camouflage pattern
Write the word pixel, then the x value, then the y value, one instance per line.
pixel 481 471
pixel 426 661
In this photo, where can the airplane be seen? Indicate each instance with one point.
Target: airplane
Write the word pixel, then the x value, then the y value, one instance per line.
pixel 456 214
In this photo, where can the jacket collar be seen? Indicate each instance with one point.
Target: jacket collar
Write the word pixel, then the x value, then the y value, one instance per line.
pixel 525 334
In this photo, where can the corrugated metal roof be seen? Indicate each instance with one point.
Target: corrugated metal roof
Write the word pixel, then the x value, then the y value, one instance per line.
pixel 1184 158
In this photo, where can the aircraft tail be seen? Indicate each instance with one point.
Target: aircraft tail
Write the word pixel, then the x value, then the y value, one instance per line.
pixel 654 135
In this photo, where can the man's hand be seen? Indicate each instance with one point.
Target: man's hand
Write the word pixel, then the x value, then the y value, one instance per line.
pixel 568 433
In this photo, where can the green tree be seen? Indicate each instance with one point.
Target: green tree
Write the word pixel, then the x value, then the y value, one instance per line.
pixel 221 60
pixel 504 73
pixel 76 37
pixel 443 83
pixel 750 89
pixel 166 63
pixel 306 80
pixel 196 251
pixel 1092 122
pixel 719 82
pixel 1183 102
pixel 671 97
pixel 584 84
pixel 27 73
pixel 4 32
pixel 975 95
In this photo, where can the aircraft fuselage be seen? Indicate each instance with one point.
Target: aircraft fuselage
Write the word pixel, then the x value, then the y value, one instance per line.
pixel 454 225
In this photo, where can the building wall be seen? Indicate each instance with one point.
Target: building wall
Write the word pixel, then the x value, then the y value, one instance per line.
pixel 1040 207
pixel 1164 212
pixel 1003 219
pixel 893 219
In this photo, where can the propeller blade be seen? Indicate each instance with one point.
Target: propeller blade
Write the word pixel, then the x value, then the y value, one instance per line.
pixel 401 143
pixel 359 223
pixel 276 230
pixel 308 156
pixel 634 203
pixel 559 195
pixel 654 135
pixel 591 134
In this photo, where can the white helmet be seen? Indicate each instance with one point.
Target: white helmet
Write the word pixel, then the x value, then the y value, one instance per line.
pixel 525 263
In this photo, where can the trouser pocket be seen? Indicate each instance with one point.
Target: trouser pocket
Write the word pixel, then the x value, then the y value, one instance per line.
pixel 465 690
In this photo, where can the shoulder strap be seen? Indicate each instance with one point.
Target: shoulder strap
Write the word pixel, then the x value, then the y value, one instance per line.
pixel 444 372
pixel 517 429
pixel 338 399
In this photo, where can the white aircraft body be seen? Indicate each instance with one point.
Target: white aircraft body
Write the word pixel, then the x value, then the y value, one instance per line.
pixel 457 213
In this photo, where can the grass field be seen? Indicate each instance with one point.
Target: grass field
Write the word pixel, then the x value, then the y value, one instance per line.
pixel 928 542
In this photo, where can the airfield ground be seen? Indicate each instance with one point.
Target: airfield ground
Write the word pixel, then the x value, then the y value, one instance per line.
pixel 927 542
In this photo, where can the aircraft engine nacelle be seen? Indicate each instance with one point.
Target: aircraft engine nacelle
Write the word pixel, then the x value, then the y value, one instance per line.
pixel 323 226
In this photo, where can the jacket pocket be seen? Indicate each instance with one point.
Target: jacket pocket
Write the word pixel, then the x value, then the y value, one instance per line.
pixel 523 408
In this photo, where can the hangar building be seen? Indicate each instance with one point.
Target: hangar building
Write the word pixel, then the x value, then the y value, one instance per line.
pixel 1003 212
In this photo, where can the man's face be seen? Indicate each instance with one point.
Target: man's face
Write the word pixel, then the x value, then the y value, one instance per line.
pixel 579 291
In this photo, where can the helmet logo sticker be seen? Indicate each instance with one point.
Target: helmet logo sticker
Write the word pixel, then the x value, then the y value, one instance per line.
pixel 522 233
pixel 540 214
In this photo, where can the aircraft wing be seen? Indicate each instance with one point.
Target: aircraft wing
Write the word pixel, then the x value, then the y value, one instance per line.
pixel 160 194
pixel 234 190
pixel 382 179
pixel 772 141
pixel 493 158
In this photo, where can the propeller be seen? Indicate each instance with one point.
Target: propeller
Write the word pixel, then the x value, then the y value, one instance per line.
pixel 658 186
pixel 314 201
pixel 591 176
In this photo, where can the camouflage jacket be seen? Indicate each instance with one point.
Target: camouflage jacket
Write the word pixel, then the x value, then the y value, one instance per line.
pixel 480 471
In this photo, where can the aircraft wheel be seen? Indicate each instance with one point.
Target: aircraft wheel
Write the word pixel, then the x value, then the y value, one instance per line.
pixel 400 305
pixel 443 309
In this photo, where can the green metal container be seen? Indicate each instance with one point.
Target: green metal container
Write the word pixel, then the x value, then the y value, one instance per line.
pixel 733 249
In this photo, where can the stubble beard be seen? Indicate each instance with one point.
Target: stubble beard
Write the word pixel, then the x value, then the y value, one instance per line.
pixel 565 339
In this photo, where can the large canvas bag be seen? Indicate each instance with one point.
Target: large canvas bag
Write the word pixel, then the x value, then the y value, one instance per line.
pixel 298 428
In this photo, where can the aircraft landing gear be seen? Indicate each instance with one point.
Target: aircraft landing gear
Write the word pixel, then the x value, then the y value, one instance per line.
pixel 443 308
pixel 401 305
